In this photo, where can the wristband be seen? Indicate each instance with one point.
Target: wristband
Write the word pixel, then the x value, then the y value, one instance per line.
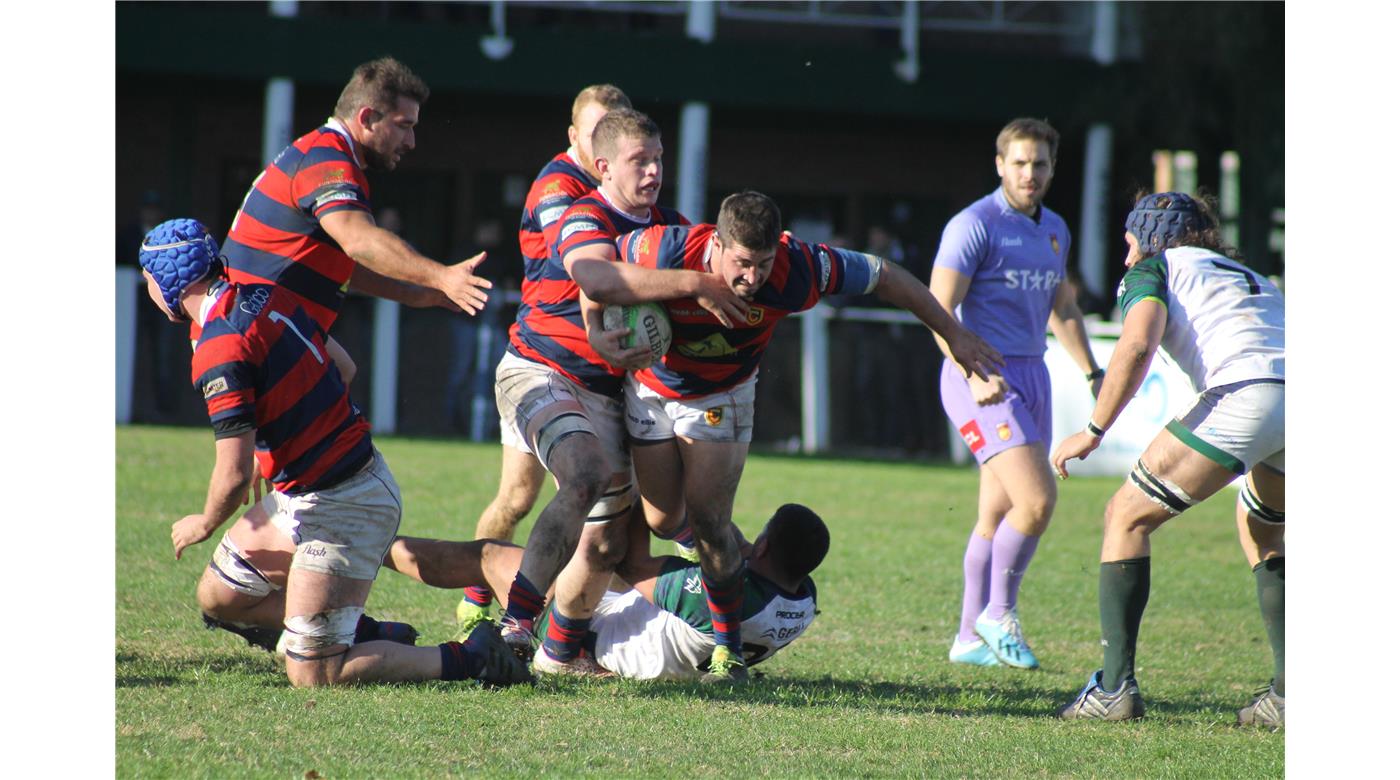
pixel 1093 430
pixel 1095 374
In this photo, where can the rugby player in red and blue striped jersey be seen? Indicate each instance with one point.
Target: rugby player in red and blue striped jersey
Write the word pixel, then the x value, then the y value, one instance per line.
pixel 304 557
pixel 306 225
pixel 692 414
pixel 567 177
pixel 554 385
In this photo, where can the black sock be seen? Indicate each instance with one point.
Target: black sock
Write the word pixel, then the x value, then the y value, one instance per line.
pixel 1123 590
pixel 1268 580
pixel 458 663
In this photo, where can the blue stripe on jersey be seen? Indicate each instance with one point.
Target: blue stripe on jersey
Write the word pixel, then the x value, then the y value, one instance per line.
pixel 282 358
pixel 300 278
pixel 278 216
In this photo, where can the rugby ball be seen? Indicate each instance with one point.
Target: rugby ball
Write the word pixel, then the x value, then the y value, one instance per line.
pixel 647 322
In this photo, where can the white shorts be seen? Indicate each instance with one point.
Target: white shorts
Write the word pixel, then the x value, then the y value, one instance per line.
pixel 345 530
pixel 542 406
pixel 723 417
pixel 1237 425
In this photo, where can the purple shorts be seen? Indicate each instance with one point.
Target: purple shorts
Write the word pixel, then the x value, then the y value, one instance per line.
pixel 1023 417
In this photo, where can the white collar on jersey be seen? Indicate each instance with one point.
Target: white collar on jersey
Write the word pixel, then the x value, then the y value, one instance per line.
pixel 338 127
pixel 646 219
pixel 709 249
pixel 211 296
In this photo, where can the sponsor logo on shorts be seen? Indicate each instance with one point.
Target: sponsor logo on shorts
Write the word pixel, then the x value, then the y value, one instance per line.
pixel 755 315
pixel 637 420
pixel 1003 431
pixel 784 615
pixel 972 434
pixel 219 385
pixel 692 584
pixel 714 416
pixel 316 552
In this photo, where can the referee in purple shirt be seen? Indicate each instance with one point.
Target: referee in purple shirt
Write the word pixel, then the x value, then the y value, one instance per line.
pixel 1000 268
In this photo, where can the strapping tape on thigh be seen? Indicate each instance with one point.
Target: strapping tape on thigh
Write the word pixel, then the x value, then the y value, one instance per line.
pixel 1163 492
pixel 1257 508
pixel 614 504
pixel 236 572
pixel 307 635
pixel 556 430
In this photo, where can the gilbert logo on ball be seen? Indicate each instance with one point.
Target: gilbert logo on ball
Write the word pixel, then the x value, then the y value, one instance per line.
pixel 647 322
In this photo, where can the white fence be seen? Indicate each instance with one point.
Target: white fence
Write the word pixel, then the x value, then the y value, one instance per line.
pixel 1165 391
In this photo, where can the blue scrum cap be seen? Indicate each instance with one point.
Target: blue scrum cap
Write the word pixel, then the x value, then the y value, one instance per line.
pixel 178 253
pixel 1158 219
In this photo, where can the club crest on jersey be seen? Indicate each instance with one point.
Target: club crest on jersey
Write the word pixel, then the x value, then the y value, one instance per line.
pixel 1054 243
pixel 972 434
pixel 1003 431
pixel 714 416
pixel 755 315
pixel 643 244
pixel 551 188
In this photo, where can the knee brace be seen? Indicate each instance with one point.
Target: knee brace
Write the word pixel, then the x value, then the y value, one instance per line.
pixel 306 635
pixel 615 503
pixel 1165 493
pixel 1257 508
pixel 235 572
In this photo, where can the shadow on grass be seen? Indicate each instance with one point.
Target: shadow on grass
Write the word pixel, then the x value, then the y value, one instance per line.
pixel 139 670
pixel 1004 698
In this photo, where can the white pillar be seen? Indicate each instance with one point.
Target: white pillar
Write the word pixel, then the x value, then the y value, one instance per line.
pixel 385 382
pixel 128 296
pixel 1091 248
pixel 816 380
pixel 1093 222
pixel 908 68
pixel 695 125
pixel 695 149
pixel 278 98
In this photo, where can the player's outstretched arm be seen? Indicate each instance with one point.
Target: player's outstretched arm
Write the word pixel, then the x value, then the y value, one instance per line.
pixel 228 487
pixel 388 255
pixel 1127 368
pixel 972 354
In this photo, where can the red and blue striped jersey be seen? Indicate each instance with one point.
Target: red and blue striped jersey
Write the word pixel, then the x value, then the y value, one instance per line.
pixel 706 357
pixel 276 236
pixel 261 365
pixel 557 186
pixel 549 328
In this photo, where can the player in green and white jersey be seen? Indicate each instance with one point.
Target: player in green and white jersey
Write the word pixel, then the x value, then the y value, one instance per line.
pixel 654 622
pixel 1223 325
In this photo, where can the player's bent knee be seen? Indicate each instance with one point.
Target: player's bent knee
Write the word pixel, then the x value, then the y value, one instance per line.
pixel 1163 492
pixel 313 644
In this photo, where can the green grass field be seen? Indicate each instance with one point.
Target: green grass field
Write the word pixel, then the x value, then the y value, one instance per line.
pixel 867 692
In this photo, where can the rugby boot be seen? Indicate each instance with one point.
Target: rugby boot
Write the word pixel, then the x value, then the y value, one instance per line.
pixel 255 636
pixel 582 665
pixel 1265 710
pixel 500 666
pixel 469 615
pixel 1005 639
pixel 725 667
pixel 519 635
pixel 976 653
pixel 1095 703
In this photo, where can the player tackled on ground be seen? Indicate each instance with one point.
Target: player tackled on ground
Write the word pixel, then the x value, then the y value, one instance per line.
pixel 690 416
pixel 654 622
pixel 1001 268
pixel 566 178
pixel 1223 325
pixel 307 554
